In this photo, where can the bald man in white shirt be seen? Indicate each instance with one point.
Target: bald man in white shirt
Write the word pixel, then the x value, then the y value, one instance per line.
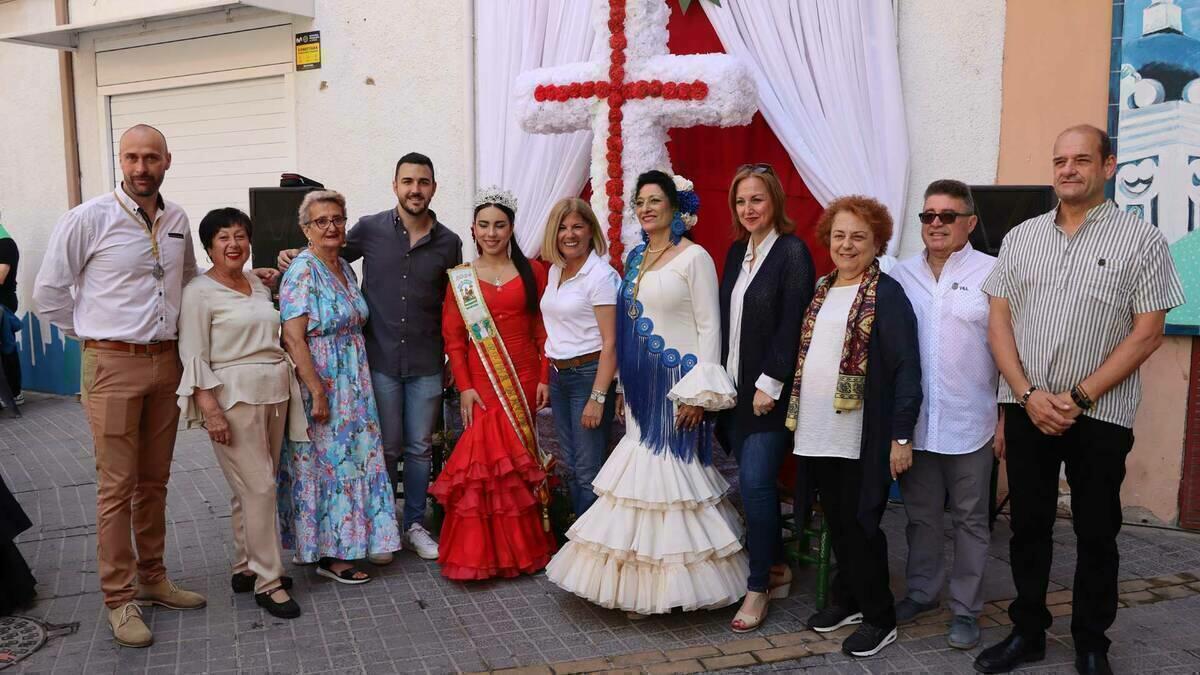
pixel 113 277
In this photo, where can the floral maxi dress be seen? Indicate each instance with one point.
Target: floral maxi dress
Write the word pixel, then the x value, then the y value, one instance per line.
pixel 335 499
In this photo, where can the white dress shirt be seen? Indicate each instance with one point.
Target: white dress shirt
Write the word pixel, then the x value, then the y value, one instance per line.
pixel 751 264
pixel 568 309
pixel 97 280
pixel 821 430
pixel 958 374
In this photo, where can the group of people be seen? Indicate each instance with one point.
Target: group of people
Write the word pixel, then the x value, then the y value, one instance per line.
pixel 865 375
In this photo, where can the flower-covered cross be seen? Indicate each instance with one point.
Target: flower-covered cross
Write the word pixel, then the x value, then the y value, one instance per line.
pixel 629 101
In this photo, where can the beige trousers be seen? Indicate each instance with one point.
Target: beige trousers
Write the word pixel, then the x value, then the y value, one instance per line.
pixel 250 463
pixel 131 407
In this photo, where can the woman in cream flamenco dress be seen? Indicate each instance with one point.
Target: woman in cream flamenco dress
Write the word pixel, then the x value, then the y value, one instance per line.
pixel 662 534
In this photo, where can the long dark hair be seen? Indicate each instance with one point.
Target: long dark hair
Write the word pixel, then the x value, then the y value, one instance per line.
pixel 524 267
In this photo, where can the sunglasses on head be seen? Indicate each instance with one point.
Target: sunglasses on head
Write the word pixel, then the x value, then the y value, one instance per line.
pixel 757 168
pixel 946 217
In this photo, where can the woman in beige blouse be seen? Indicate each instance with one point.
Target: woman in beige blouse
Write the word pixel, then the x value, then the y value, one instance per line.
pixel 238 384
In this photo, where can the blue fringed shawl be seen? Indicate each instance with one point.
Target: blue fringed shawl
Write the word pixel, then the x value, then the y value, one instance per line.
pixel 649 370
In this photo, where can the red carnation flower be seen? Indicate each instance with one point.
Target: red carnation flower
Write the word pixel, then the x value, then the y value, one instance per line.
pixel 700 90
pixel 539 93
pixel 614 144
pixel 575 89
pixel 618 41
pixel 616 73
pixel 684 90
pixel 602 89
pixel 656 87
pixel 614 219
pixel 615 99
pixel 641 89
pixel 614 170
pixel 588 89
pixel 612 157
pixel 618 58
pixel 614 204
pixel 670 90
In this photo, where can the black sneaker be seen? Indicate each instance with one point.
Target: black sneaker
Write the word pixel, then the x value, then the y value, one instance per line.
pixel 868 640
pixel 832 618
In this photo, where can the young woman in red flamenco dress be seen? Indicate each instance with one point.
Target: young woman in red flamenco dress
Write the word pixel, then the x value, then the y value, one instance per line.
pixel 493 487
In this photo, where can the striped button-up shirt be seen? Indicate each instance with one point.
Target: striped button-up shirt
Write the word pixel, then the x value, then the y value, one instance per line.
pixel 1073 298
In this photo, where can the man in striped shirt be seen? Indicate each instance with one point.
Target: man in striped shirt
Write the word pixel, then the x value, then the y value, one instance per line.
pixel 1079 298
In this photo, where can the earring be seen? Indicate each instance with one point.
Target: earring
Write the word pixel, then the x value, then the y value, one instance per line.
pixel 510 248
pixel 677 228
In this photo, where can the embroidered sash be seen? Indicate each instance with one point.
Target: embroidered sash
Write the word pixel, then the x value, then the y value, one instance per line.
pixel 490 346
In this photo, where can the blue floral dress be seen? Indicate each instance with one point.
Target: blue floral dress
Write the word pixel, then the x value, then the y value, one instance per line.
pixel 335 499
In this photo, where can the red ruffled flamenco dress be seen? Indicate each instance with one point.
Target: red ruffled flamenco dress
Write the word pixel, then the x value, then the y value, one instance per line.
pixel 493 524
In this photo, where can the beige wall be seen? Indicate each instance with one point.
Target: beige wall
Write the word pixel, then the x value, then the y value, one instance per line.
pixel 1154 468
pixel 1055 75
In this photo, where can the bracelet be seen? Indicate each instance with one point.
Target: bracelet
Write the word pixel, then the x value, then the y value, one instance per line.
pixel 1081 398
pixel 598 396
pixel 1028 392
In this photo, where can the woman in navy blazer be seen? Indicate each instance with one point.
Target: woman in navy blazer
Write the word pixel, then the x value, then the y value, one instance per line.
pixel 767 284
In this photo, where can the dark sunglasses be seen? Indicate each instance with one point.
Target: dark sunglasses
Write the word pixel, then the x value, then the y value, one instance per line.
pixel 757 168
pixel 946 217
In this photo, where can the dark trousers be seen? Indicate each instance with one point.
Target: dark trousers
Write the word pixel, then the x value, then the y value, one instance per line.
pixel 12 371
pixel 1094 453
pixel 861 582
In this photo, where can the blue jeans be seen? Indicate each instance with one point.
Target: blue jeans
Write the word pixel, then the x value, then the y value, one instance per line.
pixel 759 457
pixel 582 448
pixel 408 410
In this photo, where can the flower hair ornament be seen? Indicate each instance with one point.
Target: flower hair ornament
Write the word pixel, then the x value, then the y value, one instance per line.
pixel 496 195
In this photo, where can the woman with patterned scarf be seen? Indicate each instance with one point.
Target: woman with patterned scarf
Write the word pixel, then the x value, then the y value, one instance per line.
pixel 853 406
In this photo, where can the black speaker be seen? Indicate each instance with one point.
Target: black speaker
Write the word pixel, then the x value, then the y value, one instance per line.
pixel 1002 207
pixel 275 212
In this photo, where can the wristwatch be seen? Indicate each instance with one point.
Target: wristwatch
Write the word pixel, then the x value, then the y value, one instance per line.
pixel 1081 398
pixel 598 396
pixel 902 441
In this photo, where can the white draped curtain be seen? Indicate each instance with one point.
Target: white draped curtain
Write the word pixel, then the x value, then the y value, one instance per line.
pixel 828 76
pixel 512 37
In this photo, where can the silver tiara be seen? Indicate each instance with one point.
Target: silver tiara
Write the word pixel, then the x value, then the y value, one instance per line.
pixel 495 195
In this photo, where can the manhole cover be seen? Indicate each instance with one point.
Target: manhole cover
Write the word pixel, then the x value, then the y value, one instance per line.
pixel 21 636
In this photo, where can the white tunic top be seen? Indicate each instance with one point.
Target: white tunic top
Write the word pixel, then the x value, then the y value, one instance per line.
pixel 567 309
pixel 958 374
pixel 822 431
pixel 751 264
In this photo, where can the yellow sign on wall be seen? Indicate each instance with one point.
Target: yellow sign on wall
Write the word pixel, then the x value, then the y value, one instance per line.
pixel 308 50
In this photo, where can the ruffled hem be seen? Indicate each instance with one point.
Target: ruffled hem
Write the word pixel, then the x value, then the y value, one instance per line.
pixel 493 525
pixel 197 374
pixel 648 588
pixel 635 477
pixel 706 385
pixel 348 519
pixel 660 536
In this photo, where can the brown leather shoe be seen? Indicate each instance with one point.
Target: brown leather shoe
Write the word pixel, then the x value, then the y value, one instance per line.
pixel 127 626
pixel 166 594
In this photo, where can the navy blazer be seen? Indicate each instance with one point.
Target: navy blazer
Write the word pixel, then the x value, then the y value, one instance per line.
pixel 772 311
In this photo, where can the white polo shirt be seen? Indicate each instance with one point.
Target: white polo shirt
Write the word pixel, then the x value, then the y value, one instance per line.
pixel 567 309
pixel 958 374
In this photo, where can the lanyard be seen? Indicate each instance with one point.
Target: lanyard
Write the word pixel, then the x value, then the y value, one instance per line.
pixel 152 231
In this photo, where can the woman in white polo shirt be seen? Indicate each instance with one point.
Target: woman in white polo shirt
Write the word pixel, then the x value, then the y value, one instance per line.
pixel 579 311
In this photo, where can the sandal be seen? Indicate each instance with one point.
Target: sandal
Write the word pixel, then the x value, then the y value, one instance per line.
pixel 744 622
pixel 350 575
pixel 779 587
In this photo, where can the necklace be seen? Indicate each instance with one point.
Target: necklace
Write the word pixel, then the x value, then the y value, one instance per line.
pixel 647 263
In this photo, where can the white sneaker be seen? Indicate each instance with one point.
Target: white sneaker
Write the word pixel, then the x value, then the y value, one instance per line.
pixel 418 540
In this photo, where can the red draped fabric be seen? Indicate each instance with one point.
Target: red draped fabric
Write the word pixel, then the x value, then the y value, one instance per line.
pixel 709 156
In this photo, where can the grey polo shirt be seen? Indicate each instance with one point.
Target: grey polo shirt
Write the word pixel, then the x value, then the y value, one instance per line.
pixel 1073 298
pixel 404 287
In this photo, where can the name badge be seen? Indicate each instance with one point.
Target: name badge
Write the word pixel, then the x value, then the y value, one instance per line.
pixel 175 235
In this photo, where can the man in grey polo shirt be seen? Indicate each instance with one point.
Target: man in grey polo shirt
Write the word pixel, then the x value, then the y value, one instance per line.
pixel 406 253
pixel 1079 298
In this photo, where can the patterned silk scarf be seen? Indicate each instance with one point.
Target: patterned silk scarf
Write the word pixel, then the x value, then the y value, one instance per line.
pixel 852 370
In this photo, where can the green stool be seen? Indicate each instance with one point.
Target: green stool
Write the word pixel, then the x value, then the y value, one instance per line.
pixel 798 544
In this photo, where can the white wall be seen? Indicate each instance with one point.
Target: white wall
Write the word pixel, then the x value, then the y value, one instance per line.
pixel 33 192
pixel 394 79
pixel 951 60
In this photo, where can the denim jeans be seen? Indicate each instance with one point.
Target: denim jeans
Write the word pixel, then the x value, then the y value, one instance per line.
pixel 759 457
pixel 408 410
pixel 582 448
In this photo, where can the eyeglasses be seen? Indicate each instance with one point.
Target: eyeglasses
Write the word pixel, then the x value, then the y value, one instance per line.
pixel 324 223
pixel 947 217
pixel 758 168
